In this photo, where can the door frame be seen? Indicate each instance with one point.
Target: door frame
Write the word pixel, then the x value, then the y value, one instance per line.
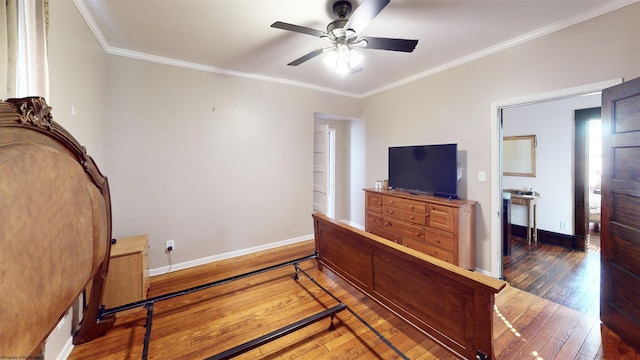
pixel 581 174
pixel 495 269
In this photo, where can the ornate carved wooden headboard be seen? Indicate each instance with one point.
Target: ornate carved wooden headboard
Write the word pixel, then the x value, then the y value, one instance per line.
pixel 55 228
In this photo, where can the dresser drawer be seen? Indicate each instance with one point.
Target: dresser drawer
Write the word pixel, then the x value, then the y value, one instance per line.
pixel 415 245
pixel 373 202
pixel 399 213
pixel 383 233
pixel 374 220
pixel 404 229
pixel 405 204
pixel 441 239
pixel 518 201
pixel 439 253
pixel 440 217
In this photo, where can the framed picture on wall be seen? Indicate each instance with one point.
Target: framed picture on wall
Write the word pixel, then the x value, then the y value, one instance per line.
pixel 519 155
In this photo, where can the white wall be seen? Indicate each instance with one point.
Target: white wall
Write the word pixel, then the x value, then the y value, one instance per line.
pixel 553 124
pixel 455 105
pixel 216 182
pixel 78 77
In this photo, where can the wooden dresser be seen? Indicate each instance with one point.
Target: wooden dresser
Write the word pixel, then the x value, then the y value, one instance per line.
pixel 128 275
pixel 442 228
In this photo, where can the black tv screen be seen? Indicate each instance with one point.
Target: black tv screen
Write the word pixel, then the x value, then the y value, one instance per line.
pixel 430 169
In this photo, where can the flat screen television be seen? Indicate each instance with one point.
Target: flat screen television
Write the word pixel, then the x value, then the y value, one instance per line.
pixel 429 169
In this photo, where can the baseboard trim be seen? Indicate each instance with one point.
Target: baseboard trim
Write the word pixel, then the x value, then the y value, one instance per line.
pixel 66 351
pixel 209 259
pixel 548 237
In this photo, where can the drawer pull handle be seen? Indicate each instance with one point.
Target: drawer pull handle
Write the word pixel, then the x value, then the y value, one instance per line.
pixel 411 217
pixel 390 211
pixel 438 240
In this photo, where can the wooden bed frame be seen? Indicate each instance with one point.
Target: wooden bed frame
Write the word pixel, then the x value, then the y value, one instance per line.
pixel 55 229
pixel 453 306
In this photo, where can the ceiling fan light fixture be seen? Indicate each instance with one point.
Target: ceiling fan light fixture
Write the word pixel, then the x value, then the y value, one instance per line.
pixel 331 58
pixel 342 59
pixel 361 43
pixel 342 69
pixel 355 59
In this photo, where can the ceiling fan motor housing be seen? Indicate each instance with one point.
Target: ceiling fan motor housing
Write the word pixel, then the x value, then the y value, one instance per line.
pixel 342 8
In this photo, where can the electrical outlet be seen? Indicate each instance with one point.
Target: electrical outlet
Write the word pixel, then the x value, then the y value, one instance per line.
pixel 170 245
pixel 564 225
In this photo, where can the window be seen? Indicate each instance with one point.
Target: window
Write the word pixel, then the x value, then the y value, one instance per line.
pixel 23 44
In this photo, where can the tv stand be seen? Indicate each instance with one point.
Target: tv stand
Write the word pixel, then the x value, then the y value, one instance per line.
pixel 441 227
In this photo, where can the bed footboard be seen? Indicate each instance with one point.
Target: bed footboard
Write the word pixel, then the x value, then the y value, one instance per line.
pixel 453 306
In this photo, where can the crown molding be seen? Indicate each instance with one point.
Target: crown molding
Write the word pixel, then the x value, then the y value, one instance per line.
pixel 217 70
pixel 606 8
pixel 563 24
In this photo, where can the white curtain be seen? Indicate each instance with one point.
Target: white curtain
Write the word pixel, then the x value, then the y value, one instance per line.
pixel 24 69
pixel 8 39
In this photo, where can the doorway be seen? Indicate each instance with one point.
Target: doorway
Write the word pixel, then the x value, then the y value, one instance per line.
pixel 554 268
pixel 595 173
pixel 336 173
pixel 588 168
pixel 496 162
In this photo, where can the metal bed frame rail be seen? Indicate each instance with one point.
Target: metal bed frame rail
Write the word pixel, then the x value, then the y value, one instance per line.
pixel 252 344
pixel 249 345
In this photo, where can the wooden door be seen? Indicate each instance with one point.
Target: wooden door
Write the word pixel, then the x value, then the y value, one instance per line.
pixel 620 233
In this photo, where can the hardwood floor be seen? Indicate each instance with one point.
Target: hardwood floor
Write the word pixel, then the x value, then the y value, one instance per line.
pixel 564 276
pixel 205 323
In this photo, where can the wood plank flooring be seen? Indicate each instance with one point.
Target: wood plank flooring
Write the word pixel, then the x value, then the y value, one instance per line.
pixel 205 323
pixel 564 276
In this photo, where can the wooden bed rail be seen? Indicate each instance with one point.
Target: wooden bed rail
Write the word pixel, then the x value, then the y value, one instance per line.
pixel 453 306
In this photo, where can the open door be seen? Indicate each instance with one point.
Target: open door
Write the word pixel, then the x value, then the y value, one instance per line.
pixel 620 232
pixel 320 168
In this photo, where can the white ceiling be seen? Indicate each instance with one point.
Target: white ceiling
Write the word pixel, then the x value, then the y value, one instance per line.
pixel 235 37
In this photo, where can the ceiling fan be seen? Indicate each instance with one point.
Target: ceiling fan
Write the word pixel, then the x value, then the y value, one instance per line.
pixel 343 35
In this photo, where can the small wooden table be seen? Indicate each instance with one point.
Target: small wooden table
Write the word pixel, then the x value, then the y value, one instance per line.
pixel 530 201
pixel 128 275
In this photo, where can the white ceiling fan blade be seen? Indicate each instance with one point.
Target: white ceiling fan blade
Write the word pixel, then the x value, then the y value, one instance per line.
pixel 366 12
